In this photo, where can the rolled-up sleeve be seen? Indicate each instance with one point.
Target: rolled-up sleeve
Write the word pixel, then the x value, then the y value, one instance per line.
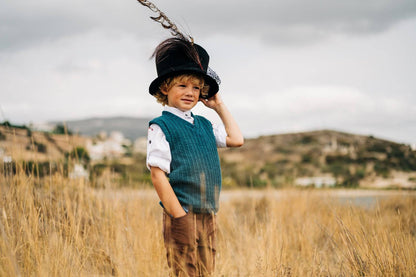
pixel 158 150
pixel 220 135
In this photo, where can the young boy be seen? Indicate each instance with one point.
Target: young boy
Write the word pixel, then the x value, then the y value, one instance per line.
pixel 182 155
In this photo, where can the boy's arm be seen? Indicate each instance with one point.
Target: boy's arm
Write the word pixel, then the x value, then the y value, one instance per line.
pixel 234 135
pixel 166 193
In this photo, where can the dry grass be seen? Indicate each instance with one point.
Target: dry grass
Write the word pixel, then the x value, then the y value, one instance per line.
pixel 65 228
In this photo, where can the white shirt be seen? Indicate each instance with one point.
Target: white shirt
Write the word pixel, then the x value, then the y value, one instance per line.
pixel 158 150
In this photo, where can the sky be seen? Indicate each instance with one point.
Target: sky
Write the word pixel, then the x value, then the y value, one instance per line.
pixel 285 66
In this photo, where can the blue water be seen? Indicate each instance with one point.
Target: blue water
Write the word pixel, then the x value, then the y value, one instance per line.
pixel 361 201
pixel 357 198
pixel 370 201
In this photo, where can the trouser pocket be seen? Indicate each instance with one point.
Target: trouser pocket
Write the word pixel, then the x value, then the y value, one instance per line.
pixel 183 230
pixel 180 243
pixel 179 231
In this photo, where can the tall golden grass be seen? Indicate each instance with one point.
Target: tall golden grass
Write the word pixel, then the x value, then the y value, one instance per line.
pixel 62 227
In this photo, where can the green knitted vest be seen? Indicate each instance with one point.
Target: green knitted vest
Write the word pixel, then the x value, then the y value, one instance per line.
pixel 195 172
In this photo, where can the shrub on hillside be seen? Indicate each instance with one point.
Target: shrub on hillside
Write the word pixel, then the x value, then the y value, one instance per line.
pixel 352 180
pixel 32 168
pixel 307 140
pixel 8 124
pixel 377 147
pixel 382 169
pixel 37 146
pixel 79 154
pixel 61 129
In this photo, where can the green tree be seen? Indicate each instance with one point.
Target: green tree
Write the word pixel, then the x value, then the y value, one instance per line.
pixel 80 154
pixel 61 129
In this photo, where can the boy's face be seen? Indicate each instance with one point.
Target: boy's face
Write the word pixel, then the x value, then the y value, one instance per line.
pixel 183 95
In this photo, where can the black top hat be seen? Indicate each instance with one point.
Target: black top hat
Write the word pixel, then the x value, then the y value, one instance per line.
pixel 182 57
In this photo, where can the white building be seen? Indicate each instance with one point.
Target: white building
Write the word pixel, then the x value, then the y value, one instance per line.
pixel 318 182
pixel 140 145
pixel 42 126
pixel 111 147
pixel 78 172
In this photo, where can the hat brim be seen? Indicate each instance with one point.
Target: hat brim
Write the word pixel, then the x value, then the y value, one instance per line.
pixel 213 85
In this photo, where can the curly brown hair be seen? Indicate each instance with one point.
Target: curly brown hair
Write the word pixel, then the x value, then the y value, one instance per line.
pixel 168 83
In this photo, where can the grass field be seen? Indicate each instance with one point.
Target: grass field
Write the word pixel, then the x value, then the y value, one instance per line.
pixel 62 227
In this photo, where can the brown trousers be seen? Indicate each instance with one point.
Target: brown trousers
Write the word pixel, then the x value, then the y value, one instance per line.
pixel 190 244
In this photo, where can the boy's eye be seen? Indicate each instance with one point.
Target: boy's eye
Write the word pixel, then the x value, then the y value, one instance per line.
pixel 198 88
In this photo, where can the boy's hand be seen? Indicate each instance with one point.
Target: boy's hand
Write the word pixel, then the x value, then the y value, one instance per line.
pixel 212 102
pixel 166 193
pixel 234 136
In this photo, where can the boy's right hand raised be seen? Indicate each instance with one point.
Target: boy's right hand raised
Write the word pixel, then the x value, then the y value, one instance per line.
pixel 213 102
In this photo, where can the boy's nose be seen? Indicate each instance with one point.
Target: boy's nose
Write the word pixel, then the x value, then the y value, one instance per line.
pixel 188 90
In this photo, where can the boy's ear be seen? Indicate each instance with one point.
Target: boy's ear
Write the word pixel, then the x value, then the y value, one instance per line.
pixel 163 91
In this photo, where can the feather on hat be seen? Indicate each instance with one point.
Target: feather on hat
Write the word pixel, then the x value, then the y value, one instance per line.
pixel 179 55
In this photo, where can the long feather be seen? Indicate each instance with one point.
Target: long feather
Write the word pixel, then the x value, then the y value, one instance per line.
pixel 164 20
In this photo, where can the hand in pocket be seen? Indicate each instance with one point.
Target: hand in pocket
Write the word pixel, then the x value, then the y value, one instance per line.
pixel 183 230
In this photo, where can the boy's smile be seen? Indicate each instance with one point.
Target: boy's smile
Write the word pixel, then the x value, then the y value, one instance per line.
pixel 183 95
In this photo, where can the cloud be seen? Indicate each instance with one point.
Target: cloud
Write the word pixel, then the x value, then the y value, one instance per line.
pixel 272 21
pixel 25 24
pixel 340 108
pixel 77 77
pixel 296 21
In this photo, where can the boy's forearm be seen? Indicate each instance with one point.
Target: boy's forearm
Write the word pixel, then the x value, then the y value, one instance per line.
pixel 234 136
pixel 166 194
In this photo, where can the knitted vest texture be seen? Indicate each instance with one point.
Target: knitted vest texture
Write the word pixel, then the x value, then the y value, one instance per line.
pixel 195 172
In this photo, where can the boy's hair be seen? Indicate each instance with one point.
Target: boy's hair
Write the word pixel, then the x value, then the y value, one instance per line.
pixel 169 82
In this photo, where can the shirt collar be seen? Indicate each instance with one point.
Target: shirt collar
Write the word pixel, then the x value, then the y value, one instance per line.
pixel 187 115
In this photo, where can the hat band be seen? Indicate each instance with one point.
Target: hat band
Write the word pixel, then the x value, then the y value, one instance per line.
pixel 189 68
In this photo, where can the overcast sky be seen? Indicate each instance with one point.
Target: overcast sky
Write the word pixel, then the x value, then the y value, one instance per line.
pixel 285 66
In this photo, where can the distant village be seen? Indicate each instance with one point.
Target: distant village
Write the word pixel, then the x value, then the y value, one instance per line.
pixel 112 146
pixel 28 144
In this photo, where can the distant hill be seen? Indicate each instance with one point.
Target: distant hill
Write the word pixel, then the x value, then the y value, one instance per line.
pixel 131 127
pixel 353 160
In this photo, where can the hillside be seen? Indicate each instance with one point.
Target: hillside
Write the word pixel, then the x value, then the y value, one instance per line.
pixel 25 145
pixel 347 160
pixel 131 127
pixel 352 160
pixel 43 154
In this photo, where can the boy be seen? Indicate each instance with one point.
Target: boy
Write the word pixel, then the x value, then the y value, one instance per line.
pixel 182 155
